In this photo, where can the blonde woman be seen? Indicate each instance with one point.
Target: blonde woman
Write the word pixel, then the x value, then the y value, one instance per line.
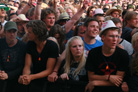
pixel 74 61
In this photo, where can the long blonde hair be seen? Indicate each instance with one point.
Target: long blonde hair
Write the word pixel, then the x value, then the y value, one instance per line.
pixel 69 57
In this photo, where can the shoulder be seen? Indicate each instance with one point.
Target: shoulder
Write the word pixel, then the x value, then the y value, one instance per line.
pixel 121 51
pixel 96 50
pixel 50 43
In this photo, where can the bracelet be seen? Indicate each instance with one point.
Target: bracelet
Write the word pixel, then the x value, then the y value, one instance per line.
pixel 108 77
pixel 38 3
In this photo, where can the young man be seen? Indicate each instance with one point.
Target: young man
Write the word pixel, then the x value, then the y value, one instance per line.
pixel 106 65
pixel 12 54
pixel 92 30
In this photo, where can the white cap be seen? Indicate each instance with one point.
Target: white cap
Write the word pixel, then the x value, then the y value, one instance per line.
pixel 107 25
pixel 98 11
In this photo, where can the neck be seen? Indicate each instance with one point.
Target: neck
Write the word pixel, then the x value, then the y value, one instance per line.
pixel 77 59
pixel 107 51
pixel 130 26
pixel 89 40
pixel 40 43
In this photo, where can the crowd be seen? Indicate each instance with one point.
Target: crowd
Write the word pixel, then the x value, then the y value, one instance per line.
pixel 48 43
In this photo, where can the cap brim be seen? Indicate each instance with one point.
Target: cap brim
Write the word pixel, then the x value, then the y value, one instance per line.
pixel 106 30
pixel 11 28
pixel 108 12
pixel 5 8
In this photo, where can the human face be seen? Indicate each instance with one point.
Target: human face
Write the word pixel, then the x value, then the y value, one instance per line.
pixel 76 48
pixel 20 27
pixel 101 20
pixel 81 31
pixel 70 13
pixel 57 36
pixel 125 7
pixel 133 23
pixel 119 25
pixel 11 35
pixel 2 13
pixel 91 12
pixel 31 35
pixel 50 20
pixel 110 40
pixel 115 14
pixel 92 29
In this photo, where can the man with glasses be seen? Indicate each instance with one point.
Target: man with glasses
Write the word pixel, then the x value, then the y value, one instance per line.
pixel 106 65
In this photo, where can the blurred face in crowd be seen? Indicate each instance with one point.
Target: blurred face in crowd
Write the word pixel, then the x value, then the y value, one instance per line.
pixel 101 20
pixel 70 12
pixel 76 48
pixel 93 29
pixel 133 23
pixel 115 14
pixel 110 39
pixel 119 25
pixel 11 35
pixel 2 13
pixel 31 35
pixel 50 20
pixel 91 12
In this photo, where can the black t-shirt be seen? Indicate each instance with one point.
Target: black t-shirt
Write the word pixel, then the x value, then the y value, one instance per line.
pixel 39 60
pixel 12 58
pixel 102 65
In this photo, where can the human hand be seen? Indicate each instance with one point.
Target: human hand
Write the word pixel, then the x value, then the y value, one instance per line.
pixel 26 79
pixel 124 87
pixel 64 76
pixel 53 77
pixel 3 75
pixel 116 79
pixel 31 2
pixel 85 4
pixel 89 87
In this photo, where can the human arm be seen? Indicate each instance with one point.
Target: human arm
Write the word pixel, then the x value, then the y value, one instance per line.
pixel 38 10
pixel 27 6
pixel 64 76
pixel 53 76
pixel 76 17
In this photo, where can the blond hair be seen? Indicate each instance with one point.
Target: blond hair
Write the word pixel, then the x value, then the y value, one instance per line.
pixel 134 39
pixel 69 57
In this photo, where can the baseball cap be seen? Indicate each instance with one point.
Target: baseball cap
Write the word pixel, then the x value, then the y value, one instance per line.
pixel 107 25
pixel 10 25
pixel 3 6
pixel 64 16
pixel 98 11
pixel 22 18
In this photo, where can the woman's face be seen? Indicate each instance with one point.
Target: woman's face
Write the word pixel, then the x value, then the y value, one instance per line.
pixel 77 48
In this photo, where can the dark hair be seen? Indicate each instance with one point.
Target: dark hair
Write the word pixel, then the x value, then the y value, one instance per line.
pixel 88 20
pixel 46 12
pixel 134 65
pixel 39 29
pixel 116 20
pixel 57 29
pixel 76 31
pixel 89 9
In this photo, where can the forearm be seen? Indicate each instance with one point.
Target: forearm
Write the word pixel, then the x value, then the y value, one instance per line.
pixel 41 74
pixel 38 11
pixel 99 77
pixel 26 71
pixel 102 83
pixel 73 20
pixel 25 9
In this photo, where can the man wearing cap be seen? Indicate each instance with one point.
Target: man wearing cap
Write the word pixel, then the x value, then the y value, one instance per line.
pixel 114 12
pixel 12 54
pixel 106 65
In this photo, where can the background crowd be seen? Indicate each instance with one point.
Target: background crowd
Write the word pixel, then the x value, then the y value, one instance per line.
pixel 50 45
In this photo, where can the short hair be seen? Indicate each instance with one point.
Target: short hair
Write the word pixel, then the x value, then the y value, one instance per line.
pixel 88 20
pixel 128 16
pixel 47 11
pixel 39 29
pixel 106 31
pixel 134 39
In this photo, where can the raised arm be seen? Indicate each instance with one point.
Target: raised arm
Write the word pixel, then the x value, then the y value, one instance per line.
pixel 38 10
pixel 27 6
pixel 76 17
